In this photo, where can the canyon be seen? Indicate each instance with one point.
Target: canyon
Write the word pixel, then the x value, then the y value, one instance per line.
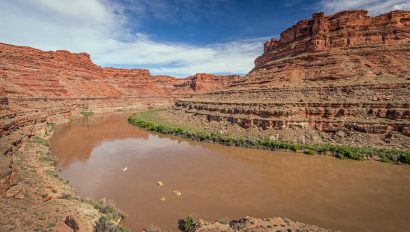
pixel 340 79
pixel 39 89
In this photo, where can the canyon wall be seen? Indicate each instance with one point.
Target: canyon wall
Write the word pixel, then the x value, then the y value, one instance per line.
pixel 336 49
pixel 47 84
pixel 343 78
pixel 344 29
pixel 38 89
pixel 26 71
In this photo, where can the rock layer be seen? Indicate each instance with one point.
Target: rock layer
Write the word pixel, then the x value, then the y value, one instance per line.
pixel 344 29
pixel 38 89
pixel 26 71
pixel 343 78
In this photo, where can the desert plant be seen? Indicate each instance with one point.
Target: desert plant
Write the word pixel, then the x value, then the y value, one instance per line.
pixel 39 140
pixel 189 224
pixel 309 152
pixel 103 224
pixel 66 196
pixel 405 158
pixel 340 151
pixel 86 113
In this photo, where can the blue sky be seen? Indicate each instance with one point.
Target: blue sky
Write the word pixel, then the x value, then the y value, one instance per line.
pixel 174 37
pixel 204 22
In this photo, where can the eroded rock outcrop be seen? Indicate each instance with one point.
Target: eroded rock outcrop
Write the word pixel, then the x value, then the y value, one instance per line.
pixel 344 29
pixel 26 71
pixel 343 78
pixel 346 47
pixel 39 89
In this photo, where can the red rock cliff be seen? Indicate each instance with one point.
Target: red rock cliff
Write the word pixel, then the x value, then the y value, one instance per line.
pixel 340 79
pixel 26 71
pixel 344 29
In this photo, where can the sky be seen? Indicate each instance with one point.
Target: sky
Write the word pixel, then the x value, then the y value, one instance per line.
pixel 172 37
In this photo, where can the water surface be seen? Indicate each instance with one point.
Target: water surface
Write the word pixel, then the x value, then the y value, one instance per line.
pixel 225 182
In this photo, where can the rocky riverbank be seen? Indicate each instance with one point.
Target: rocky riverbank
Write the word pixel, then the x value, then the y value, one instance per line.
pixel 163 121
pixel 334 84
pixel 249 224
pixel 33 197
pixel 40 89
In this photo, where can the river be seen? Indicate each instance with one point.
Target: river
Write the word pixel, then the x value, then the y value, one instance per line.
pixel 105 157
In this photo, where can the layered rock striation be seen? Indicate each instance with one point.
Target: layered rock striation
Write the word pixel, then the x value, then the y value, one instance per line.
pixel 341 30
pixel 336 49
pixel 38 89
pixel 29 72
pixel 343 78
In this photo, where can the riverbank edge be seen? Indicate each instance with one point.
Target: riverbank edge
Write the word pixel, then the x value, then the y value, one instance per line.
pixel 396 156
pixel 249 224
pixel 100 216
pixel 109 217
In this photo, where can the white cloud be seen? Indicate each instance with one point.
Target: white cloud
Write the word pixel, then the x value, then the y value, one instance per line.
pixel 99 27
pixel 222 58
pixel 374 7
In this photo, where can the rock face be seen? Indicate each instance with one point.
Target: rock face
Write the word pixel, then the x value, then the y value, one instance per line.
pixel 344 29
pixel 39 88
pixel 343 79
pixel 72 223
pixel 25 71
pixel 204 82
pixel 334 49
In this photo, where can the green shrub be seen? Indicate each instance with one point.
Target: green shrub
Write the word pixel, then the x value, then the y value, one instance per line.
pixel 86 113
pixel 41 141
pixel 46 158
pixel 189 224
pixel 103 207
pixel 310 152
pixel 66 196
pixel 346 152
pixel 103 224
pixel 405 158
pixel 52 173
pixel 294 147
pixel 51 125
pixel 111 214
pixel 342 152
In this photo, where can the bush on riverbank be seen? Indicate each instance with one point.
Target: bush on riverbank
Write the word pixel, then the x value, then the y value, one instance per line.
pixel 40 140
pixel 189 224
pixel 87 113
pixel 104 225
pixel 111 219
pixel 340 151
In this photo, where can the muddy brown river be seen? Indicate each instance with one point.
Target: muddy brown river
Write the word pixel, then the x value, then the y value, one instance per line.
pixel 219 182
